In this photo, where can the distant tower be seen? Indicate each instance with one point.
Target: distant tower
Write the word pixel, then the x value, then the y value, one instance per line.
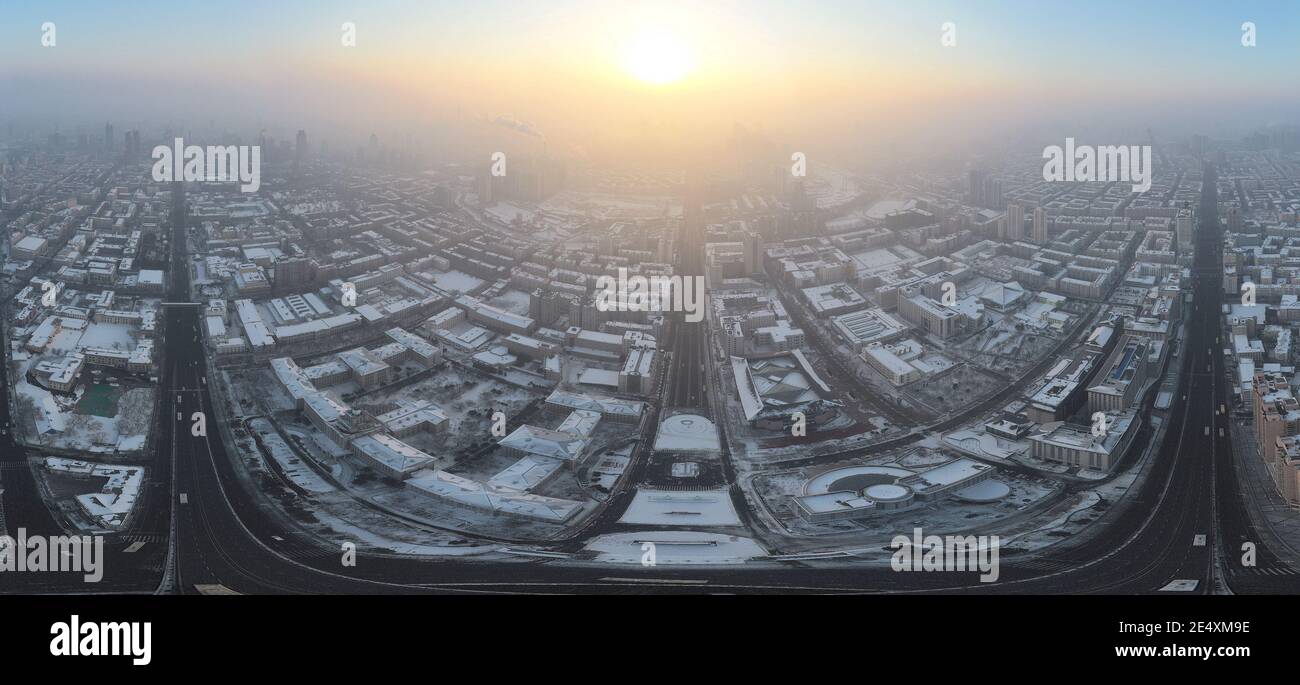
pixel 976 177
pixel 108 136
pixel 300 150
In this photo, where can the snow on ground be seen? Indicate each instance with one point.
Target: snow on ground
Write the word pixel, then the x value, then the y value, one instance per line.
pixel 289 464
pixel 369 538
pixel 112 504
pixel 985 445
pixel 65 341
pixel 457 280
pixel 114 336
pixel 131 443
pixel 681 508
pixel 506 213
pixel 48 416
pixel 607 469
pixel 1034 538
pixel 680 547
pixel 514 301
pixel 51 420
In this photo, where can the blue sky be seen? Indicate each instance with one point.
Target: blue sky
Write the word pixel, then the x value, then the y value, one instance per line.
pixel 1071 60
pixel 1155 34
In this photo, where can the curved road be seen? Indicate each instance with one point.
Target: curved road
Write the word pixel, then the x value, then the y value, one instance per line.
pixel 224 538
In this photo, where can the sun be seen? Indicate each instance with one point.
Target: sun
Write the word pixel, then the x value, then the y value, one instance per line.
pixel 658 57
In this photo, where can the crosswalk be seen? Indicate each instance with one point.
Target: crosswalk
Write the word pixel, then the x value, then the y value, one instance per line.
pixel 300 553
pixel 142 537
pixel 313 552
pixel 1270 571
pixel 1050 565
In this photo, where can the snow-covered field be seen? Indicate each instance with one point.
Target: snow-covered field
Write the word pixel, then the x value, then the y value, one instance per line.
pixel 457 280
pixel 689 508
pixel 49 420
pixel 289 464
pixel 514 301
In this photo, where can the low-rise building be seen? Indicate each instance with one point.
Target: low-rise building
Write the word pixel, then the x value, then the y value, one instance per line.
pixel 1080 446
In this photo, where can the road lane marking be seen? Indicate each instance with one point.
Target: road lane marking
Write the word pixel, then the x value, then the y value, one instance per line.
pixel 1181 585
pixel 185 498
pixel 661 581
pixel 135 547
pixel 214 589
pixel 1198 541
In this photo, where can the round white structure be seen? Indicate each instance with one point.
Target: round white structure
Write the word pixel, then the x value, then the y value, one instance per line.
pixel 889 495
pixel 687 433
pixel 983 492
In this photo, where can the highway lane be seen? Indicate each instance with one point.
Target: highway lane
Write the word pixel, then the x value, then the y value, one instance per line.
pixel 688 373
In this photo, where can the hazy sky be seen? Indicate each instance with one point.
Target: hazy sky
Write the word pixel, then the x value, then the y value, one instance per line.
pixel 809 72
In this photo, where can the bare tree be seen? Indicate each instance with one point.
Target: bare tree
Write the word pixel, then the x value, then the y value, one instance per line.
pixel 134 411
pixel 26 413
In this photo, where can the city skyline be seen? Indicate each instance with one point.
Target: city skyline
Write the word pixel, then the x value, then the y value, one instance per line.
pixel 874 72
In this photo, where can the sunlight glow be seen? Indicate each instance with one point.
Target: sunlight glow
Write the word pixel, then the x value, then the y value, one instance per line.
pixel 658 57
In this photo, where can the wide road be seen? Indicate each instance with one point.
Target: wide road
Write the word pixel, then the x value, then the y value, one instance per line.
pixel 226 538
pixel 687 374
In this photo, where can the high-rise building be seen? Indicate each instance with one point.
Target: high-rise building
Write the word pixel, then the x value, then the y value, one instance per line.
pixel 300 150
pixel 976 181
pixel 108 136
pixel 133 143
pixel 1183 229
pixel 753 252
pixel 985 191
pixel 1015 229
pixel 1040 226
pixel 993 193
